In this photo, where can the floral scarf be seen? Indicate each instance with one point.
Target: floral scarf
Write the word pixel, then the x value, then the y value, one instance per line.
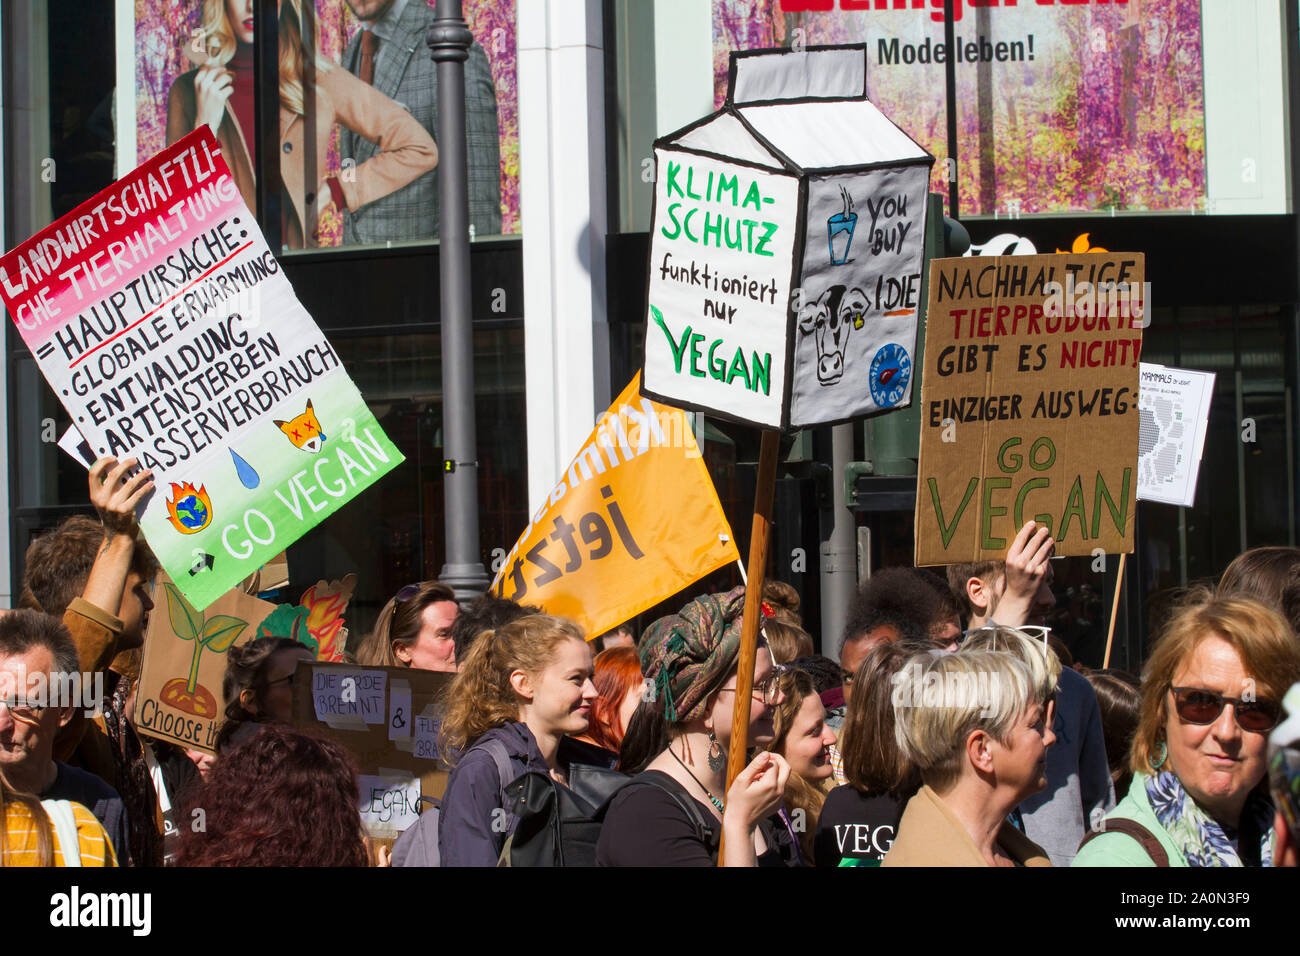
pixel 687 656
pixel 1202 839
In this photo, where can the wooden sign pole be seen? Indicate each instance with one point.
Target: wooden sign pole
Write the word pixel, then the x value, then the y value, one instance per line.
pixel 1114 610
pixel 759 539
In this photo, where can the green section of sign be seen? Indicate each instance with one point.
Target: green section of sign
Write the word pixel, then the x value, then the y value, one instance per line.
pixel 307 468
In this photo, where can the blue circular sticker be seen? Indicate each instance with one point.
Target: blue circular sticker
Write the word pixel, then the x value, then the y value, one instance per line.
pixel 891 370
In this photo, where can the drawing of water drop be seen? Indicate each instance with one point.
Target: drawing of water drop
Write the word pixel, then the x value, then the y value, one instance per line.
pixel 247 474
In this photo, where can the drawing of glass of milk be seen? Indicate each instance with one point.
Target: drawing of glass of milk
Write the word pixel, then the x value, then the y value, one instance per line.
pixel 839 230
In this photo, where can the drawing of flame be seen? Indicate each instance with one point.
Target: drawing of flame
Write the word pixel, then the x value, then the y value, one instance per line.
pixel 325 620
pixel 193 520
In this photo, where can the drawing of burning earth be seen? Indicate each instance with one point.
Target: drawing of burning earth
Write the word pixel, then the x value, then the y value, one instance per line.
pixel 217 633
pixel 190 508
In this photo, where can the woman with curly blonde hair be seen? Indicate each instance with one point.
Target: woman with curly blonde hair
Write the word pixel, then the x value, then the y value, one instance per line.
pixel 520 692
pixel 219 93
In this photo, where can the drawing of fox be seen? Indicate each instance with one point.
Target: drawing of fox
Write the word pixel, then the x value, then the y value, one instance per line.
pixel 304 430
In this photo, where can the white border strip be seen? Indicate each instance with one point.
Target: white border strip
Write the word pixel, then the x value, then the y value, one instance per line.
pixel 124 159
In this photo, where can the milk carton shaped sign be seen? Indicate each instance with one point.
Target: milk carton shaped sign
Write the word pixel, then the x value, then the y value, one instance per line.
pixel 787 248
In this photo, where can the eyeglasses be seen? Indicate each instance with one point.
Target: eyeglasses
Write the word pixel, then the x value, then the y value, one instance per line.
pixel 767 690
pixel 1196 705
pixel 279 680
pixel 21 710
pixel 1035 632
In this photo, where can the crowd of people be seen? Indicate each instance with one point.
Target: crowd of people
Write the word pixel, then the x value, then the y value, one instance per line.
pixel 953 730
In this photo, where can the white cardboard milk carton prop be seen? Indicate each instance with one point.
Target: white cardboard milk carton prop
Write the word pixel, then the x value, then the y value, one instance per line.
pixel 787 247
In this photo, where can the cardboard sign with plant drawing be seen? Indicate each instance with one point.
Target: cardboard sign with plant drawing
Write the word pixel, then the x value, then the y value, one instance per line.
pixel 179 698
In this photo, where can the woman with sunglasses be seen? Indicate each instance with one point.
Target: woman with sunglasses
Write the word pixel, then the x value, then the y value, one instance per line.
pixel 414 630
pixel 1211 694
pixel 257 688
pixel 677 808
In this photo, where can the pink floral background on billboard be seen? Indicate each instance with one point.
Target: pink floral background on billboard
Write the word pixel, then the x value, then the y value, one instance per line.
pixel 164 26
pixel 1106 110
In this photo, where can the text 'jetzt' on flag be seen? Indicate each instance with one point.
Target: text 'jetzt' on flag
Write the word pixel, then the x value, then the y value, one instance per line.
pixel 632 520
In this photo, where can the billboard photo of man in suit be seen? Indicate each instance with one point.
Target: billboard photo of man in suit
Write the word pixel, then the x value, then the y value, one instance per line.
pixel 389 52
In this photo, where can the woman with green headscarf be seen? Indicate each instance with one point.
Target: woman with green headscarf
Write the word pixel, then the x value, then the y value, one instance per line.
pixel 675 811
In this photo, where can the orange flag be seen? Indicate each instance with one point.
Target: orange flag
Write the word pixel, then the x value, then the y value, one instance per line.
pixel 633 520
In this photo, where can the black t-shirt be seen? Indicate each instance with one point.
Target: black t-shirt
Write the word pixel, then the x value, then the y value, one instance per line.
pixel 855 826
pixel 645 826
pixel 95 795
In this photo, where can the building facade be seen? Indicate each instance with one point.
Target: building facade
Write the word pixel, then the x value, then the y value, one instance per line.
pixel 1165 128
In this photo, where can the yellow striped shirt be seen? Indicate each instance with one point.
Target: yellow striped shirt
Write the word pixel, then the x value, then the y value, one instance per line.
pixel 21 846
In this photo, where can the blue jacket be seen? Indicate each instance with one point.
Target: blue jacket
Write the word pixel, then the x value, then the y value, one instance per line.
pixel 472 803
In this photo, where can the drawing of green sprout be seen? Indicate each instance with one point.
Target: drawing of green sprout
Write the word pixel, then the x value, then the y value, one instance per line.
pixel 216 633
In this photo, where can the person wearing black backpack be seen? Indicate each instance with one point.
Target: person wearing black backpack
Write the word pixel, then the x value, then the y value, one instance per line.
pixel 673 812
pixel 521 691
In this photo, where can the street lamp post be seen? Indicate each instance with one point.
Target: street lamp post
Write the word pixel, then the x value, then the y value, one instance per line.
pixel 449 41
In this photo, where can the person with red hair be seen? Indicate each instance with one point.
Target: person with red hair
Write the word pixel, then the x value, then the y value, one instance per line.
pixel 282 798
pixel 619 683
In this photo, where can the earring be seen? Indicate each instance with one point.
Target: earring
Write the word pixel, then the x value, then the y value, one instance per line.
pixel 717 758
pixel 1157 762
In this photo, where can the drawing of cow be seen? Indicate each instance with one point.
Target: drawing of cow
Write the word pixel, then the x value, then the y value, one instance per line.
pixel 829 319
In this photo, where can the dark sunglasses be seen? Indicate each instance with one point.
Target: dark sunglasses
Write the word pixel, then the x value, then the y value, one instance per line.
pixel 408 592
pixel 1195 705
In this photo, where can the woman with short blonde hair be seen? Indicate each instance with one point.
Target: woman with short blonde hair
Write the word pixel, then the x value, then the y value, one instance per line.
pixel 975 725
pixel 1211 692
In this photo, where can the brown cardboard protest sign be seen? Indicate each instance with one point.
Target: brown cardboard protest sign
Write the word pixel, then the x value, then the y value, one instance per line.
pixel 185 660
pixel 1029 404
pixel 269 577
pixel 385 716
